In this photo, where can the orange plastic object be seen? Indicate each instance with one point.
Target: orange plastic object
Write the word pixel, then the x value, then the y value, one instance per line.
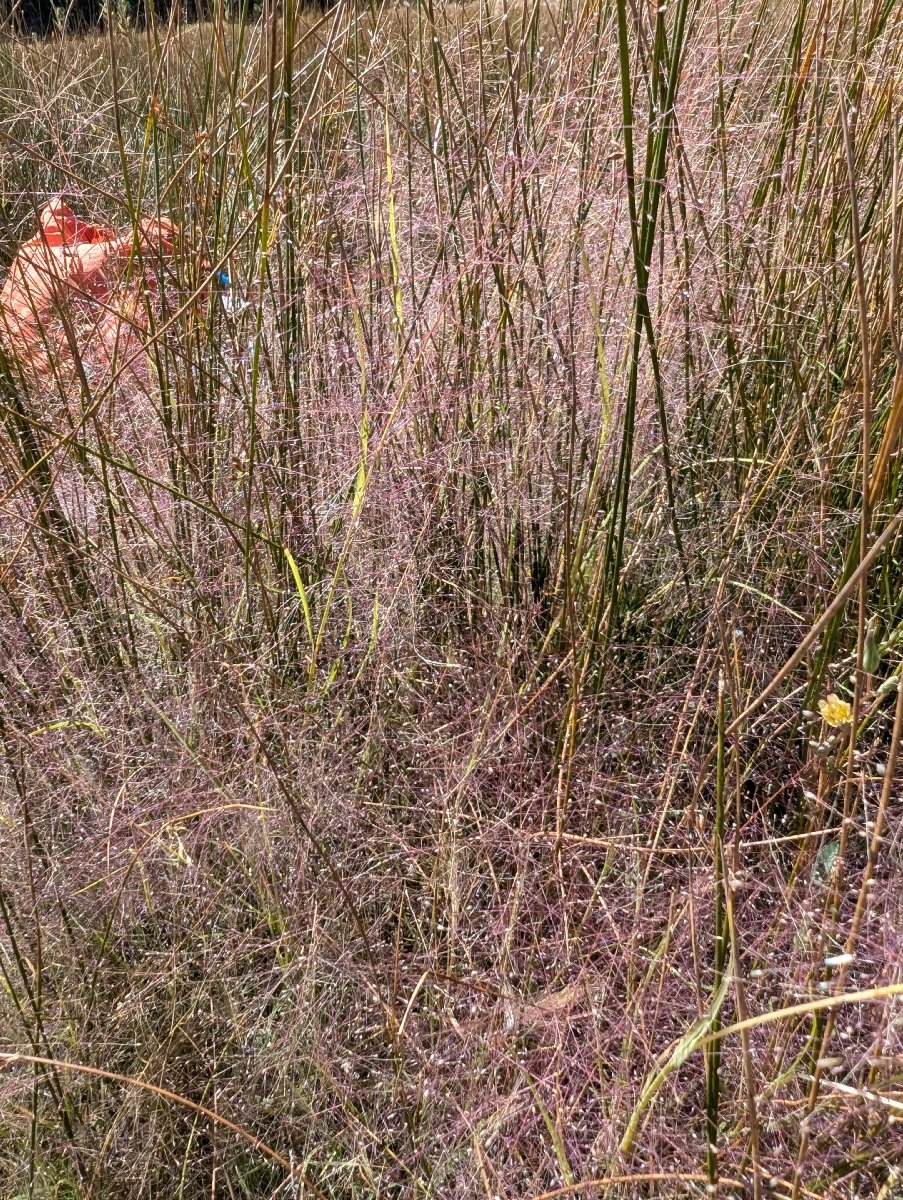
pixel 72 282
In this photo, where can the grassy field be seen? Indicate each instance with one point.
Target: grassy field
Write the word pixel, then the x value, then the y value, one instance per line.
pixel 418 772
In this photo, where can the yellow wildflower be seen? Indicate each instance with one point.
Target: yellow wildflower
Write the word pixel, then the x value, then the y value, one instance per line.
pixel 834 711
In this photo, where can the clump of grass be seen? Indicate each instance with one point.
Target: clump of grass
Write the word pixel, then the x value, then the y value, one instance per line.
pixel 413 776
